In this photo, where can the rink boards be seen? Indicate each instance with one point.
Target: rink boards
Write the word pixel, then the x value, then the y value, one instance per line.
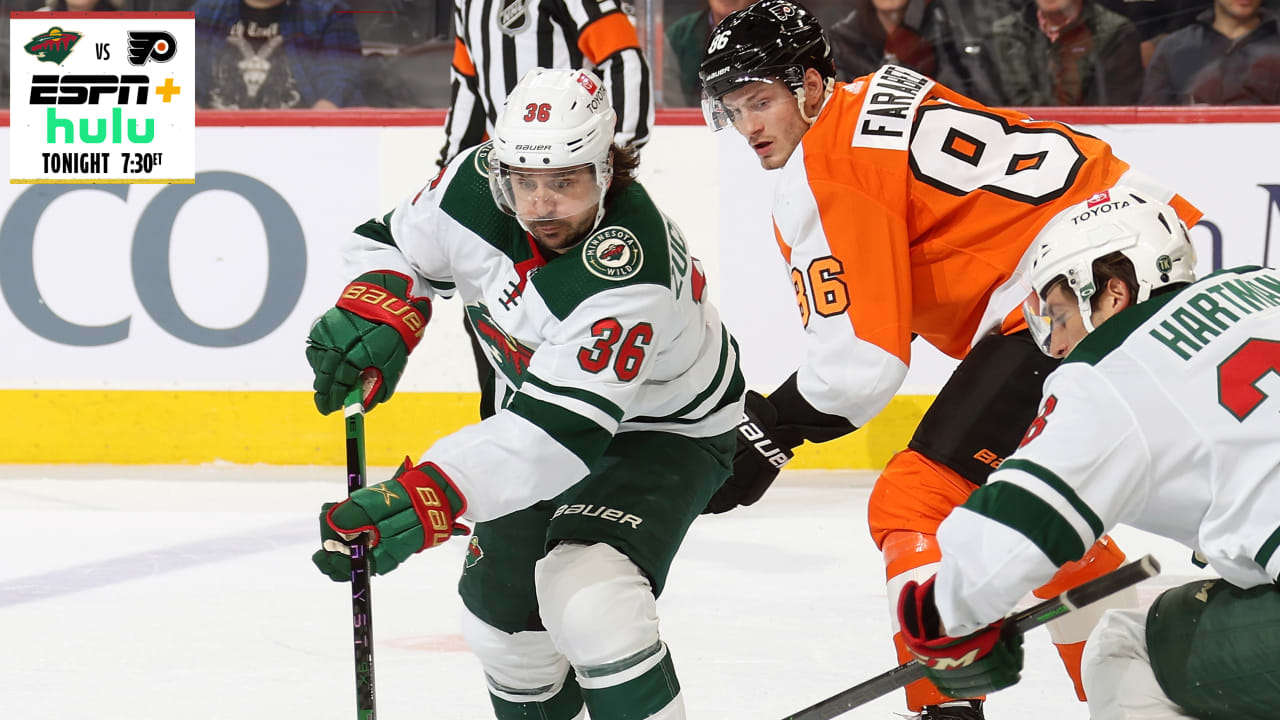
pixel 165 324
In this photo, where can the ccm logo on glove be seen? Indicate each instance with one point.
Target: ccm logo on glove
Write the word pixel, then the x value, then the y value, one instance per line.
pixel 946 663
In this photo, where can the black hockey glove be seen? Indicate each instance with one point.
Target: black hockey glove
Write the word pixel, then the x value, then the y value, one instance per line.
pixel 770 430
pixel 759 457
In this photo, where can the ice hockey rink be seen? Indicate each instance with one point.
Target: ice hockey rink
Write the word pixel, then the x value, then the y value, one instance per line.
pixel 153 593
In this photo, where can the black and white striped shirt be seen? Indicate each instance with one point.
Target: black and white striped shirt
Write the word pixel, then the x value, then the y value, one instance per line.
pixel 498 41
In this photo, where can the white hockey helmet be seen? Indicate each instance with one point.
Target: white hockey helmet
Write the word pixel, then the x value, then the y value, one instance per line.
pixel 1123 219
pixel 552 120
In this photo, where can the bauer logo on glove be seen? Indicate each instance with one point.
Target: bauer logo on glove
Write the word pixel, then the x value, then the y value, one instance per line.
pixel 414 510
pixel 375 324
pixel 763 444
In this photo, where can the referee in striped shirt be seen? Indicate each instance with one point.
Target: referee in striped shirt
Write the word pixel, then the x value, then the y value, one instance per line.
pixel 498 41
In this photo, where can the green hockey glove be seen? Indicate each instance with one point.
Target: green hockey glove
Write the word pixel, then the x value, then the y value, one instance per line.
pixel 965 667
pixel 376 324
pixel 407 514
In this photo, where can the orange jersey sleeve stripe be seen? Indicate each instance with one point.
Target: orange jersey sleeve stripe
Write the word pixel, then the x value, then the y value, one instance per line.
pixel 782 244
pixel 462 59
pixel 606 36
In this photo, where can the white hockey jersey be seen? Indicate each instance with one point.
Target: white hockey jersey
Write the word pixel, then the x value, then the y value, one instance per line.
pixel 1166 418
pixel 614 335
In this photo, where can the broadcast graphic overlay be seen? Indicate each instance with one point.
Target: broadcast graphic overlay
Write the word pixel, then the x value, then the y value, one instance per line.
pixel 102 97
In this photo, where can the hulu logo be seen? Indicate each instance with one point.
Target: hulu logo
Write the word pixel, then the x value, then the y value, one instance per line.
pixel 117 129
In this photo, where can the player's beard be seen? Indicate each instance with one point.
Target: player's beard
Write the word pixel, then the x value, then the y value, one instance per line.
pixel 558 236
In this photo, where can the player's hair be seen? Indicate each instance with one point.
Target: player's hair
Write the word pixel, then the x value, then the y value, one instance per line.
pixel 625 162
pixel 1115 265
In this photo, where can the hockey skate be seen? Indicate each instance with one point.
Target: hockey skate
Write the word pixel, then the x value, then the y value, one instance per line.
pixel 954 710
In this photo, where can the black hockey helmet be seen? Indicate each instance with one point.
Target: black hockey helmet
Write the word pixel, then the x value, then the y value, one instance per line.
pixel 767 41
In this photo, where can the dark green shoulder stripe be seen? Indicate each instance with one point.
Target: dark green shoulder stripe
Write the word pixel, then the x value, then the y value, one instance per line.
pixel 1099 343
pixel 468 200
pixel 1052 480
pixel 579 435
pixel 1023 511
pixel 1268 549
pixel 1241 270
pixel 598 402
pixel 378 231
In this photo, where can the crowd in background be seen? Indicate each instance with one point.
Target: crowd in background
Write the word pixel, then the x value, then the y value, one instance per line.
pixel 1040 52
pixel 397 53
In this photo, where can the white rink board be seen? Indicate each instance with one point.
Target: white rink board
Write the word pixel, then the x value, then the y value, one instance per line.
pixel 90 263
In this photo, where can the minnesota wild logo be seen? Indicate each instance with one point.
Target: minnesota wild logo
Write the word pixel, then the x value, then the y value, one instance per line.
pixel 613 253
pixel 53 46
pixel 474 553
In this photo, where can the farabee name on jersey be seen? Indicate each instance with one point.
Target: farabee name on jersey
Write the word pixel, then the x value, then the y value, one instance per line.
pixel 891 102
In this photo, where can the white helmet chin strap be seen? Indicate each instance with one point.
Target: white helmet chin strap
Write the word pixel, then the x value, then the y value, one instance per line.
pixel 1086 308
pixel 826 93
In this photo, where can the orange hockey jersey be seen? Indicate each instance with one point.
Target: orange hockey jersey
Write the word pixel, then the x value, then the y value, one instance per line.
pixel 909 208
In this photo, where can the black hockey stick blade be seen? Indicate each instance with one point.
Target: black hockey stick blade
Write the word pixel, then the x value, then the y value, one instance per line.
pixel 361 599
pixel 1034 616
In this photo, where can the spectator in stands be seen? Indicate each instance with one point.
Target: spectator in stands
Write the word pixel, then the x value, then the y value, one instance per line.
pixel 1157 18
pixel 686 42
pixel 276 54
pixel 960 32
pixel 1068 52
pixel 882 32
pixel 1229 56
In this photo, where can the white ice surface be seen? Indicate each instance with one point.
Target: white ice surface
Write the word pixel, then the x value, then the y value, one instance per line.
pixel 163 593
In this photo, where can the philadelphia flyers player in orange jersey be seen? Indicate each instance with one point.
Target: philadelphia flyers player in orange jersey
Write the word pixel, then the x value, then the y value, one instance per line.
pixel 904 209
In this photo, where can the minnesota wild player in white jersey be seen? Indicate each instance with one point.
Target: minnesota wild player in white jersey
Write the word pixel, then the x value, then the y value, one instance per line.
pixel 1164 415
pixel 621 392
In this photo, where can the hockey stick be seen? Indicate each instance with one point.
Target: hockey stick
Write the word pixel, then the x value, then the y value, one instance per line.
pixel 361 600
pixel 1035 616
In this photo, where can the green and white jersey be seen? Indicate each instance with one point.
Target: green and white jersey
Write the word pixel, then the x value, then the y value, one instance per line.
pixel 1166 418
pixel 615 335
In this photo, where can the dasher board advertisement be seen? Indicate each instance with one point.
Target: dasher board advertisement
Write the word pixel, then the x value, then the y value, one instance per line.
pixel 102 97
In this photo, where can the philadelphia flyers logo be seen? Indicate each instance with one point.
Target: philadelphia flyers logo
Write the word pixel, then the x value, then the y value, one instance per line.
pixel 150 45
pixel 783 11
